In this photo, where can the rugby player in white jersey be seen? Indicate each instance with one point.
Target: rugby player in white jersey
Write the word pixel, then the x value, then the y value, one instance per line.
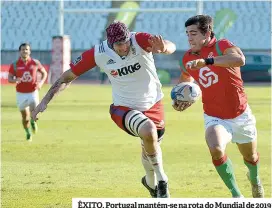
pixel 127 59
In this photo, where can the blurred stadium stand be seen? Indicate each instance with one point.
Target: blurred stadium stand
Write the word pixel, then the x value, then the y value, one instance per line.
pixel 37 22
pixel 249 31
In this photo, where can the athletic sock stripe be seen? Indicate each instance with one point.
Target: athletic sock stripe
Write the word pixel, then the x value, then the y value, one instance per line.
pixel 255 162
pixel 151 156
pixel 220 161
pixel 144 156
pixel 137 129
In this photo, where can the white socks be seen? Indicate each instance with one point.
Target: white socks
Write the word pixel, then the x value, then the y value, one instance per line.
pixel 155 161
pixel 149 172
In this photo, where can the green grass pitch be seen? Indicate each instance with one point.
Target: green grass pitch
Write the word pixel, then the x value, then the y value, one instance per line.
pixel 80 152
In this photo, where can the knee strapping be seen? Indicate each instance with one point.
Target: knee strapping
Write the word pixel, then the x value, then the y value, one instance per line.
pixel 135 122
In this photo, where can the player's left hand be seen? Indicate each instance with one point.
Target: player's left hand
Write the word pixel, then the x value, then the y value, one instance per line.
pixel 39 86
pixel 195 64
pixel 181 106
pixel 157 44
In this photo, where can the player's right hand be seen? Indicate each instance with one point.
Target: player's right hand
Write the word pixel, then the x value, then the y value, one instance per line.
pixel 181 105
pixel 39 109
pixel 195 64
pixel 157 44
pixel 18 80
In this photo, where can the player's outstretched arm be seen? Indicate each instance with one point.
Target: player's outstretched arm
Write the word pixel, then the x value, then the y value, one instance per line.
pixel 159 45
pixel 66 78
pixel 232 57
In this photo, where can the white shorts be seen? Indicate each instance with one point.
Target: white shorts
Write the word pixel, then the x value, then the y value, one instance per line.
pixel 26 99
pixel 241 129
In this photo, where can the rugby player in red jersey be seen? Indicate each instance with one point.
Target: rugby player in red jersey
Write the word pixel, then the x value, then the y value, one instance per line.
pixel 23 72
pixel 215 66
pixel 127 58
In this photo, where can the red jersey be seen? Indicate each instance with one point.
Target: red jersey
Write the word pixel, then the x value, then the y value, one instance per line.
pixel 28 74
pixel 223 94
pixel 86 61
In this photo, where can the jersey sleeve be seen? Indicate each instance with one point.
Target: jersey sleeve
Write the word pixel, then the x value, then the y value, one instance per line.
pixel 83 63
pixel 11 70
pixel 224 44
pixel 142 40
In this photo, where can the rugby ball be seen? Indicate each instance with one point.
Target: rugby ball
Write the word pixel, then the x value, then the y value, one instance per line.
pixel 186 91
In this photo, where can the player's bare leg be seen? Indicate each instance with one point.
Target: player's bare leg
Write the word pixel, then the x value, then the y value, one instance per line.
pixel 251 160
pixel 148 134
pixel 34 125
pixel 217 137
pixel 26 123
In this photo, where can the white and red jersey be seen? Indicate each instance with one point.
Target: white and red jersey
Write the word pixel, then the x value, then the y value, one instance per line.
pixel 135 83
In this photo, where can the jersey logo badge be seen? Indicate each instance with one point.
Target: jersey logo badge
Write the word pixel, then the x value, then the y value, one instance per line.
pixel 125 70
pixel 111 62
pixel 101 48
pixel 114 73
pixel 207 77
